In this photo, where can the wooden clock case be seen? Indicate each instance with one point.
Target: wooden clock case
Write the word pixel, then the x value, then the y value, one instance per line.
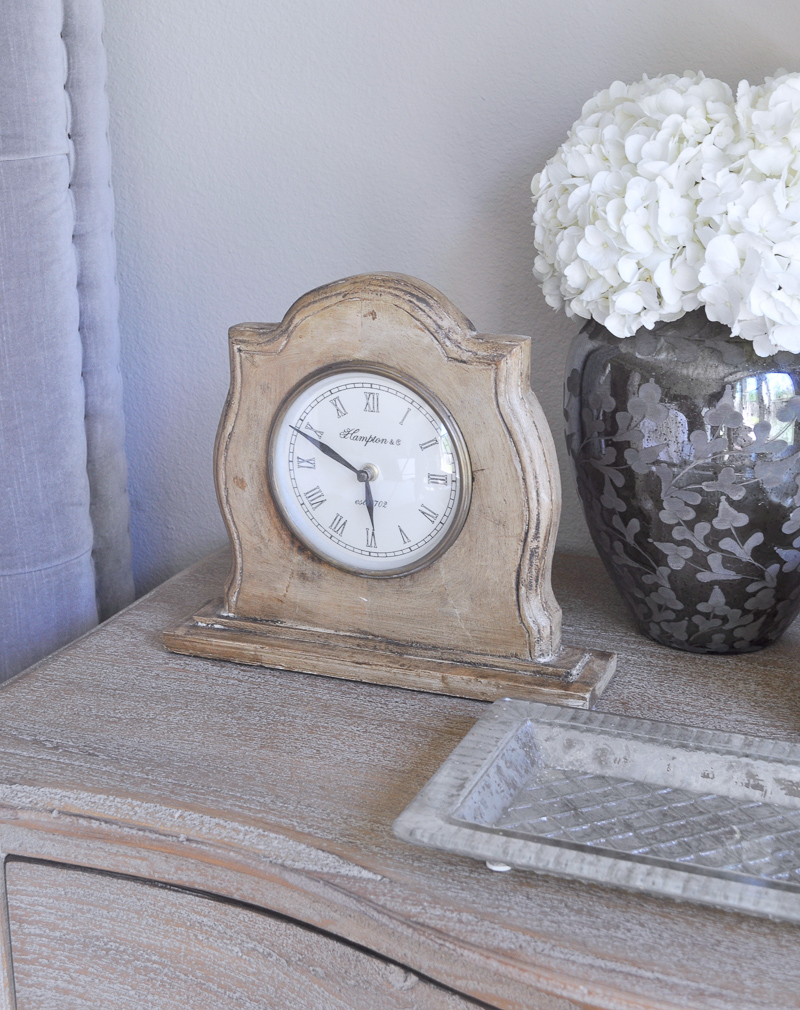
pixel 481 620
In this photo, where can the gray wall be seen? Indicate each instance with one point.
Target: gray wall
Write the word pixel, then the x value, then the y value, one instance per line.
pixel 263 147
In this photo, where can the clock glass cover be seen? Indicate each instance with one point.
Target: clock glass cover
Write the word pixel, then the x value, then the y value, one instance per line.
pixel 369 470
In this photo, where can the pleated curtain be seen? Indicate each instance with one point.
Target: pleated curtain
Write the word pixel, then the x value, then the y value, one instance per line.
pixel 64 515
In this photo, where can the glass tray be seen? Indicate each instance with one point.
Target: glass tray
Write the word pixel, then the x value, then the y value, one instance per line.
pixel 693 814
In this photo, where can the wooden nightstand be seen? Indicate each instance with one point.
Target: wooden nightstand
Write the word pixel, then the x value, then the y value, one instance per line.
pixel 182 833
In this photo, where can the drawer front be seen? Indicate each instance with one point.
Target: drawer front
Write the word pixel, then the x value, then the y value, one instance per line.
pixel 82 939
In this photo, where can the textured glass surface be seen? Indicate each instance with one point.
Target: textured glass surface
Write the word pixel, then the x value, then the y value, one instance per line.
pixel 661 824
pixel 694 814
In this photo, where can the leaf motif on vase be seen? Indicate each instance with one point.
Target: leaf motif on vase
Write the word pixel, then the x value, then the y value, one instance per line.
pixel 716 603
pixel 764 442
pixel 792 524
pixel 727 483
pixel 647 404
pixel 774 472
pixel 611 499
pixel 704 447
pixel 666 598
pixel 640 460
pixel 591 424
pixel 742 551
pixel 727 518
pixel 696 536
pixel 629 531
pixel 745 635
pixel 725 414
pixel 627 430
pixel 769 581
pixel 676 556
pixel 717 571
pixel 791 559
pixel 659 577
pixel 675 511
pixel 604 465
pixel 622 558
pixel 730 352
pixel 705 624
pixel 762 600
pixel 572 384
pixel 602 401
pixel 676 629
pixel 701 492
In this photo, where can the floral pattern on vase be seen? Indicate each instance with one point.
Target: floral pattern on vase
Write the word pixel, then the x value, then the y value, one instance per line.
pixel 686 449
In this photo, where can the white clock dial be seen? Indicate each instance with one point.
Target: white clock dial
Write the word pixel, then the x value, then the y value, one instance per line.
pixel 369 470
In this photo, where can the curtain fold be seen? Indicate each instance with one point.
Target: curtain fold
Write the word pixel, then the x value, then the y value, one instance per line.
pixel 64 542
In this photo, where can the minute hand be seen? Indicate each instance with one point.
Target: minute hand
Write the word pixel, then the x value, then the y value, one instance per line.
pixel 326 449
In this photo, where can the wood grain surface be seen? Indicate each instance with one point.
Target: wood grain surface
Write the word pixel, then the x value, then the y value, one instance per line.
pixel 88 940
pixel 279 789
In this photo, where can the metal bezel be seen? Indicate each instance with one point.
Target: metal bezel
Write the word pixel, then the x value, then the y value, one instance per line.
pixel 461 508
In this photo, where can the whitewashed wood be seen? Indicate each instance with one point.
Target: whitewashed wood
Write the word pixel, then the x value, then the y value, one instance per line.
pixel 574 677
pixel 8 1000
pixel 279 789
pixel 87 940
pixel 483 606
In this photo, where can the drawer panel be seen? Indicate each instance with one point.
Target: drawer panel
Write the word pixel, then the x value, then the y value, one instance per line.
pixel 82 939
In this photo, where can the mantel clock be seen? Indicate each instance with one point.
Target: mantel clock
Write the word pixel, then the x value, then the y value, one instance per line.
pixel 391 493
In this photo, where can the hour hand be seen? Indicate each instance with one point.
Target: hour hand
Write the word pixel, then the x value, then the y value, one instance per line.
pixel 326 449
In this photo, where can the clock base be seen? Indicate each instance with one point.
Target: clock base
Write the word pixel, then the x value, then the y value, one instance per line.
pixel 575 677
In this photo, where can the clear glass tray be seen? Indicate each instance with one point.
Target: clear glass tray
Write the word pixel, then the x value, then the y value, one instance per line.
pixel 693 814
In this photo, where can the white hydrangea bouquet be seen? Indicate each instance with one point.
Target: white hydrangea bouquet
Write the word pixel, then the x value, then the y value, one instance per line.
pixel 670 195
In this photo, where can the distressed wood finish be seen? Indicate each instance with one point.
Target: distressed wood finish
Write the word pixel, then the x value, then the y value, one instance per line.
pixel 89 940
pixel 279 790
pixel 7 995
pixel 481 620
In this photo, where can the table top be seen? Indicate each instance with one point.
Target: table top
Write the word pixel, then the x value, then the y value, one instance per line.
pixel 279 789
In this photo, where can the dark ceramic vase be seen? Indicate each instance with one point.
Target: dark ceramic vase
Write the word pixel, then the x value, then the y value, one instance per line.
pixel 686 448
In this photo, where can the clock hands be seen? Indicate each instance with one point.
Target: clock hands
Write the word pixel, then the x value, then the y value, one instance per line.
pixel 368 499
pixel 326 449
pixel 365 475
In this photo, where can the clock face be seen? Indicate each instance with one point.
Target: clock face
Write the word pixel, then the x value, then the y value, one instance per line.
pixel 369 470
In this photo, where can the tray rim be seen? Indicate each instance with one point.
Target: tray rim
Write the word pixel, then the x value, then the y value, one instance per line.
pixel 428 819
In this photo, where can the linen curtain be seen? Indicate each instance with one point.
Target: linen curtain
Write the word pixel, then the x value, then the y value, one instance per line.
pixel 64 540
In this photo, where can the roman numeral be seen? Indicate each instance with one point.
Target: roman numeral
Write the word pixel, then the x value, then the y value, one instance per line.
pixel 315 497
pixel 317 433
pixel 371 403
pixel 403 536
pixel 429 513
pixel 307 464
pixel 427 445
pixel 406 414
pixel 371 538
pixel 338 524
pixel 437 478
pixel 337 403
